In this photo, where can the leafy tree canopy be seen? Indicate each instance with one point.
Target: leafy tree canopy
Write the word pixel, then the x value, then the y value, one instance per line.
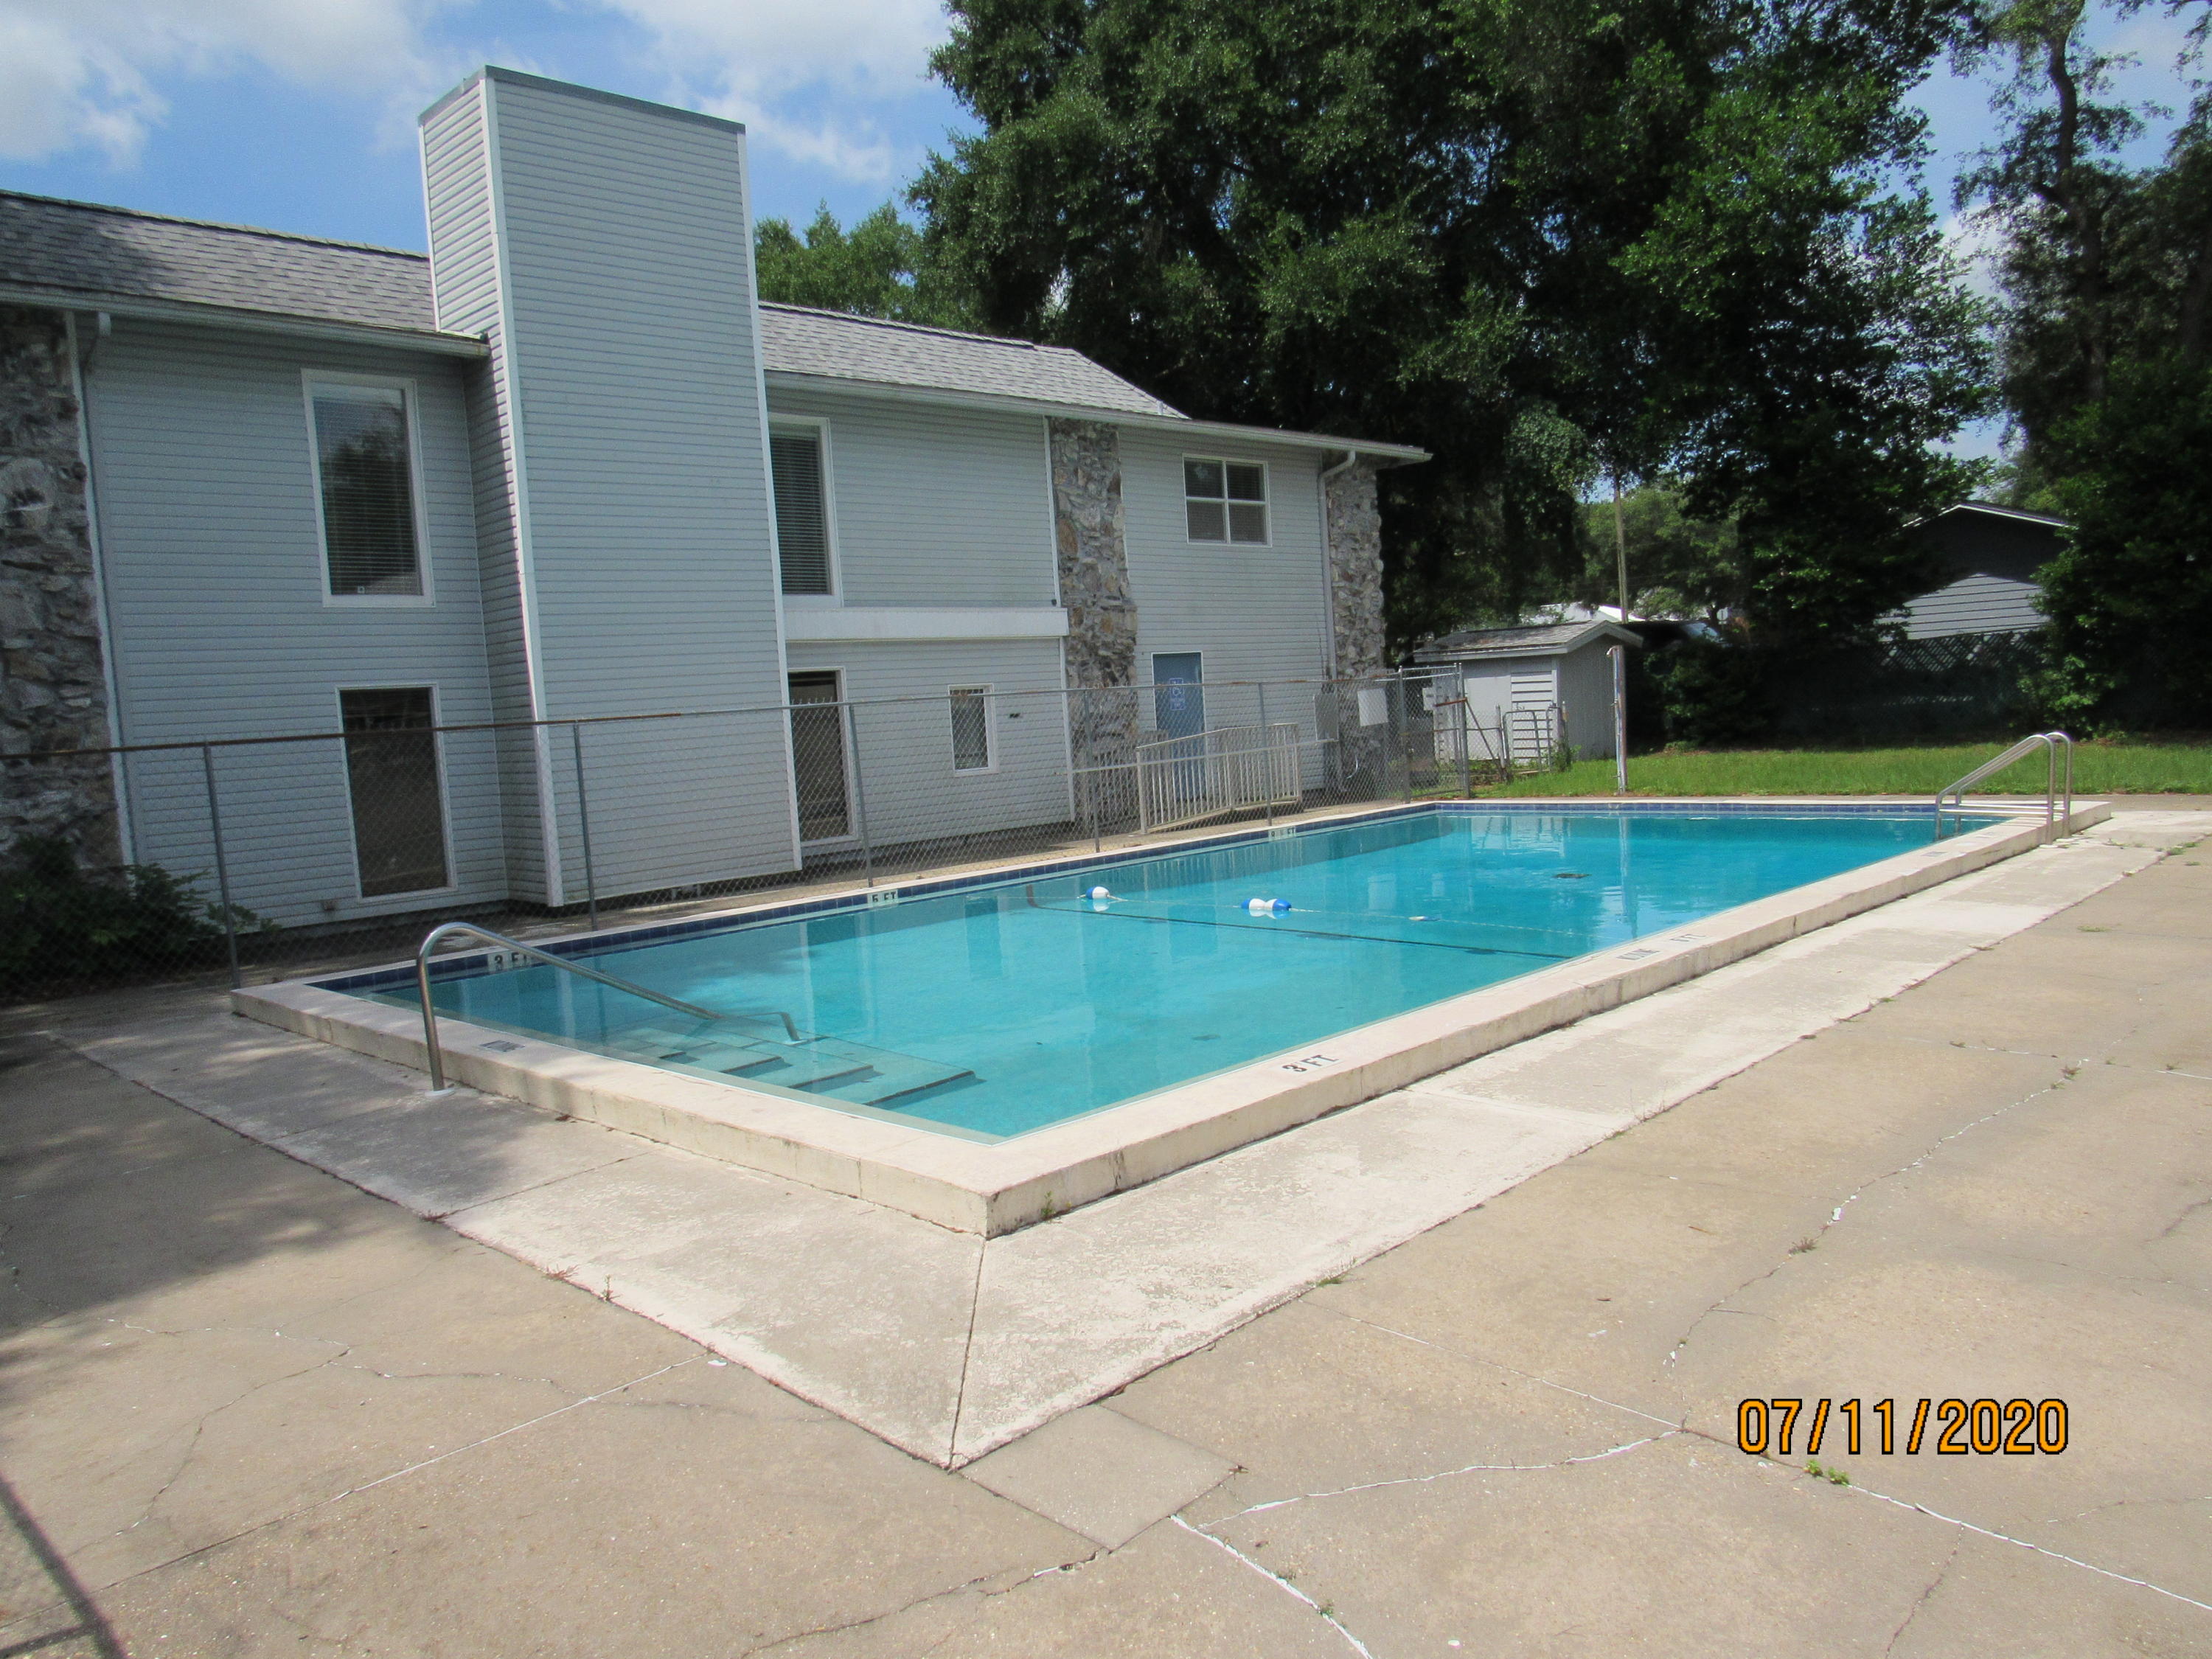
pixel 2107 270
pixel 1548 240
pixel 879 267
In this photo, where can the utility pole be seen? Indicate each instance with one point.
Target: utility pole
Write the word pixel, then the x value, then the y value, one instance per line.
pixel 1619 545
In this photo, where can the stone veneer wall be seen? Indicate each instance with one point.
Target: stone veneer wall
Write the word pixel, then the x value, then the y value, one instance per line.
pixel 53 687
pixel 1355 570
pixel 1101 618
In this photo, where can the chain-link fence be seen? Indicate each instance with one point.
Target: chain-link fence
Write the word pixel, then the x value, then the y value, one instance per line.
pixel 267 857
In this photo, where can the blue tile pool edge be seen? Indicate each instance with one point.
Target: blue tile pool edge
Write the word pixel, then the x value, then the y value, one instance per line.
pixel 465 963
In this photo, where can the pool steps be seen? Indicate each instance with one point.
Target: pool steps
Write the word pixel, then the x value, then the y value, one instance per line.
pixel 845 1071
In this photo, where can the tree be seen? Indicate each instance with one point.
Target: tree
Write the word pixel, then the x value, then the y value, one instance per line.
pixel 879 267
pixel 2130 596
pixel 2107 276
pixel 1547 241
pixel 1678 565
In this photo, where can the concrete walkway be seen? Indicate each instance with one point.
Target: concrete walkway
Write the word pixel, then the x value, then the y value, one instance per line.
pixel 245 1408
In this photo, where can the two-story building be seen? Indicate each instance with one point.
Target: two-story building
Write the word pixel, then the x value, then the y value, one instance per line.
pixel 569 465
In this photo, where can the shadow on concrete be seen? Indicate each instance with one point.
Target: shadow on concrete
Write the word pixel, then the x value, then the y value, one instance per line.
pixel 41 1590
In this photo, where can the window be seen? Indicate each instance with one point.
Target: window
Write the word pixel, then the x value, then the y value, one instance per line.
pixel 364 479
pixel 817 751
pixel 971 728
pixel 1225 501
pixel 802 508
pixel 398 802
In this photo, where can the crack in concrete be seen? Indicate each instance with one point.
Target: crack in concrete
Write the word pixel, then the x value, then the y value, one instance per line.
pixel 367 1486
pixel 1920 1602
pixel 2006 1538
pixel 1836 1215
pixel 2187 1211
pixel 979 1585
pixel 1494 1364
pixel 1278 1582
pixel 1447 1474
pixel 966 1357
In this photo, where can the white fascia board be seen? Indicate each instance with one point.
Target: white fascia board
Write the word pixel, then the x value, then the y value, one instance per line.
pixel 840 624
pixel 258 322
pixel 783 380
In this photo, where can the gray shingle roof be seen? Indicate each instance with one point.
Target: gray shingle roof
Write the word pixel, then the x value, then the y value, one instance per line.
pixel 1549 641
pixel 835 346
pixel 79 248
pixel 75 247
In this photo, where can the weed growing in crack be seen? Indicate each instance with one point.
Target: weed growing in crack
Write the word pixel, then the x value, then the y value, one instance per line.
pixel 1803 1245
pixel 1820 1471
pixel 1333 1279
pixel 1326 1609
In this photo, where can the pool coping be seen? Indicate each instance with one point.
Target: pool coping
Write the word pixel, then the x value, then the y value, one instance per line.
pixel 995 1188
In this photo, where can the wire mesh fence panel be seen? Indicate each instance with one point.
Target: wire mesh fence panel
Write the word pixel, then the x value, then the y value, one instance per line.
pixel 289 855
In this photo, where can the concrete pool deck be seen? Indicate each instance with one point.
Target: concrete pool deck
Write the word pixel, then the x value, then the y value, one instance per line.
pixel 949 1345
pixel 248 1410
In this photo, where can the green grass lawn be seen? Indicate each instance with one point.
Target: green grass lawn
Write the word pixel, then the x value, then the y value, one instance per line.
pixel 2119 767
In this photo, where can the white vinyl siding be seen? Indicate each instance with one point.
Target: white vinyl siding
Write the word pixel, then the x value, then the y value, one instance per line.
pixel 216 590
pixel 934 506
pixel 639 460
pixel 910 789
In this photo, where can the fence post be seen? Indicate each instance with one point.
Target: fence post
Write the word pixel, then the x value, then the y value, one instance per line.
pixel 1266 757
pixel 1405 743
pixel 859 793
pixel 222 866
pixel 583 825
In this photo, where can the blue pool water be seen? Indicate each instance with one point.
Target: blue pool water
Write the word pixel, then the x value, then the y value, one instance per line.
pixel 1006 1007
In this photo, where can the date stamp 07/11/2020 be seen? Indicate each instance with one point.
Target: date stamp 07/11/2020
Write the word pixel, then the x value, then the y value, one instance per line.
pixel 1949 1428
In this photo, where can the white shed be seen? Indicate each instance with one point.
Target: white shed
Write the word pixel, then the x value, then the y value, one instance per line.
pixel 1520 673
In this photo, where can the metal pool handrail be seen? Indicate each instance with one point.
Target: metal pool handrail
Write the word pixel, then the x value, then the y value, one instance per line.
pixel 1954 798
pixel 448 930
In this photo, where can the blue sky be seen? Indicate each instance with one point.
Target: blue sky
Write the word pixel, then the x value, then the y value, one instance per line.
pixel 299 114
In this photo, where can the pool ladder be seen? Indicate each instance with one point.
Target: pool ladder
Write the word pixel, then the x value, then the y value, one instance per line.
pixel 1954 798
pixel 851 1073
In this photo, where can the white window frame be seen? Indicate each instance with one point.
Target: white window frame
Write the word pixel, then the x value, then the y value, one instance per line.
pixel 453 883
pixel 988 692
pixel 1267 503
pixel 835 596
pixel 412 407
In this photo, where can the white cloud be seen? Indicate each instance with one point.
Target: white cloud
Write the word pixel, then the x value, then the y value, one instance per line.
pixel 77 74
pixel 764 61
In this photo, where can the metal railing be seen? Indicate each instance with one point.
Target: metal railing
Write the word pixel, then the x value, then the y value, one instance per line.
pixel 453 929
pixel 1954 797
pixel 1212 773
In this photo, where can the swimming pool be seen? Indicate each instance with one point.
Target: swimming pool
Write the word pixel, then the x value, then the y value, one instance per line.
pixel 991 1010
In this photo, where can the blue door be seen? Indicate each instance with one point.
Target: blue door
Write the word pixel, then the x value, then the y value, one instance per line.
pixel 1178 699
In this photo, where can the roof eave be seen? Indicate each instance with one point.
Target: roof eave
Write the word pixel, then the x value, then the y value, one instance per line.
pixel 1396 454
pixel 260 322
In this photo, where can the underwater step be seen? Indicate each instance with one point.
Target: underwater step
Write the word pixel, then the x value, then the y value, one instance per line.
pixel 856 1072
